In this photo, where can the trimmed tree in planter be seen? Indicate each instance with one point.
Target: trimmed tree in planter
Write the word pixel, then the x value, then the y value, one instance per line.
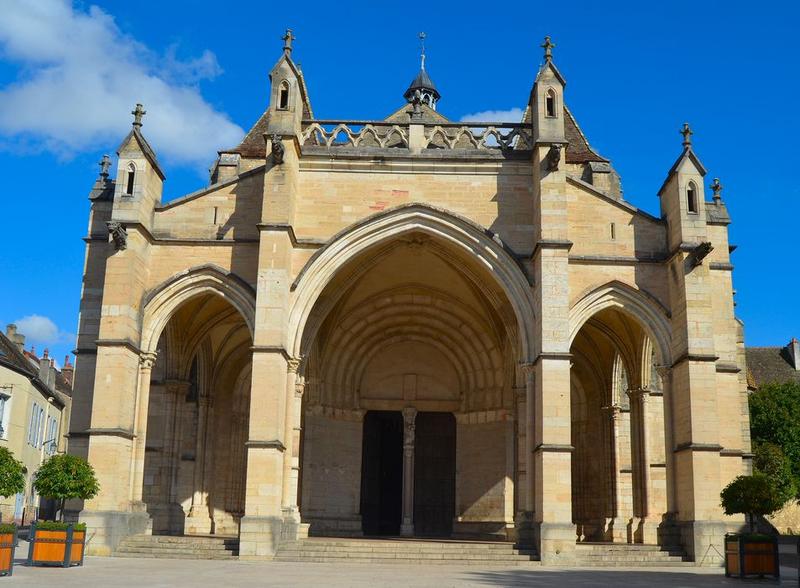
pixel 12 481
pixel 749 554
pixel 65 477
pixel 61 478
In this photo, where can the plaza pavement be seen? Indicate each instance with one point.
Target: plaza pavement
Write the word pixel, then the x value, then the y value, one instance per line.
pixel 99 572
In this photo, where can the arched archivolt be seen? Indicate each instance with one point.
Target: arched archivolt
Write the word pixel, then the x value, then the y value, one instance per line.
pixel 161 303
pixel 458 233
pixel 651 316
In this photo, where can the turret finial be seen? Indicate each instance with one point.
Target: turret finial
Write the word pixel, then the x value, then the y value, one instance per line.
pixel 104 164
pixel 287 41
pixel 422 49
pixel 548 48
pixel 687 133
pixel 716 188
pixel 138 113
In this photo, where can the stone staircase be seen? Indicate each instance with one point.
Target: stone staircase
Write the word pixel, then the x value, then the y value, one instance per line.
pixel 405 551
pixel 628 555
pixel 179 547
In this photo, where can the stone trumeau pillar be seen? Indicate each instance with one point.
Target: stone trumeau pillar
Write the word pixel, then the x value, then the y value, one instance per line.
pixel 117 402
pixel 548 391
pixel 693 379
pixel 269 518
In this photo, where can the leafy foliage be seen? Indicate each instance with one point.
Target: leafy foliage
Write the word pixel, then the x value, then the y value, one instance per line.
pixel 12 474
pixel 755 495
pixel 769 459
pixel 775 419
pixel 65 477
pixel 57 526
pixel 7 528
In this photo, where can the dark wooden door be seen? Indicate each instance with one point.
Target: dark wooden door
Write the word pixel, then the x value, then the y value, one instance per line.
pixel 434 474
pixel 382 473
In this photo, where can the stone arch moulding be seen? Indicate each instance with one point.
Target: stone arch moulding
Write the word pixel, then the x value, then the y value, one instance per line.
pixel 652 316
pixel 371 232
pixel 160 303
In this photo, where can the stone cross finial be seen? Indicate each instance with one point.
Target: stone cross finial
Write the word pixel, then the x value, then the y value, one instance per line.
pixel 422 49
pixel 104 164
pixel 138 113
pixel 716 187
pixel 687 135
pixel 287 41
pixel 548 48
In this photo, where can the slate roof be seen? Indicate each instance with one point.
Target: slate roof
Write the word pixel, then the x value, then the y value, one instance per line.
pixel 253 144
pixel 767 365
pixel 578 149
pixel 422 82
pixel 14 359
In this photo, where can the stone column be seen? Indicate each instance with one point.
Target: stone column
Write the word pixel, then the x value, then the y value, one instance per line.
pixel 525 428
pixel 648 526
pixel 616 529
pixel 146 362
pixel 199 519
pixel 176 393
pixel 291 512
pixel 409 418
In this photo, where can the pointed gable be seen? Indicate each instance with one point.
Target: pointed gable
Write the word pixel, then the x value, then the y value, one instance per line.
pixel 143 146
pixel 687 157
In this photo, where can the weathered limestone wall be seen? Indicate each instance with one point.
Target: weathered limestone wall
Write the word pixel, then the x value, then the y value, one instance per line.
pixel 495 195
pixel 331 474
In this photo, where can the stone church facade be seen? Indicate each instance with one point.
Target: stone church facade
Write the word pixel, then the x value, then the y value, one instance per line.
pixel 409 327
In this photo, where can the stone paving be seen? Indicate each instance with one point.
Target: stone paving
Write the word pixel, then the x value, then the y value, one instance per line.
pixel 123 573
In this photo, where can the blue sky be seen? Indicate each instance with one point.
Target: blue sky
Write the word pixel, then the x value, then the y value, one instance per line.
pixel 71 72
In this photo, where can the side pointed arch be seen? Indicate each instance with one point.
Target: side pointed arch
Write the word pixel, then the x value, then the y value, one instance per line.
pixel 372 232
pixel 160 303
pixel 651 315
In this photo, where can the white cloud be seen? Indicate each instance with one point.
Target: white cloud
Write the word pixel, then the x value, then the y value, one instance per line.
pixel 508 116
pixel 40 329
pixel 80 76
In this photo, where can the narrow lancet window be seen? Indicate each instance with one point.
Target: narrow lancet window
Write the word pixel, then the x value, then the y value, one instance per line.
pixel 691 197
pixel 550 103
pixel 131 177
pixel 283 96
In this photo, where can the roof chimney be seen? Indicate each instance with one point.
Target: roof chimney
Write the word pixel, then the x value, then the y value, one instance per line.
pixel 793 349
pixel 68 371
pixel 17 339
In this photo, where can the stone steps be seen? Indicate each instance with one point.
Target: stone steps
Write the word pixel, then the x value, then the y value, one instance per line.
pixel 404 552
pixel 178 547
pixel 628 555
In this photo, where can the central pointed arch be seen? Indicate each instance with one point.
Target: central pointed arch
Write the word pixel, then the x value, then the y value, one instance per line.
pixel 452 230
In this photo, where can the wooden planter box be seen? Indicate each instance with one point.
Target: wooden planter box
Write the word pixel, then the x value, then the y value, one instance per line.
pixel 56 548
pixel 8 541
pixel 756 556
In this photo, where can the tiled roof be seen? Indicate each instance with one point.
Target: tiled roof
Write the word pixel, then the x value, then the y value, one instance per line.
pixel 578 149
pixel 12 357
pixel 253 144
pixel 767 365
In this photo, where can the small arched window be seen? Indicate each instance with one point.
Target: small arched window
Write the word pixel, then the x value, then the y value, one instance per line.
pixel 691 197
pixel 550 103
pixel 130 179
pixel 283 96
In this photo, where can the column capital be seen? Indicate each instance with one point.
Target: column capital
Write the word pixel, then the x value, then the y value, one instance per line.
pixel 147 359
pixel 639 392
pixel 293 363
pixel 613 410
pixel 664 371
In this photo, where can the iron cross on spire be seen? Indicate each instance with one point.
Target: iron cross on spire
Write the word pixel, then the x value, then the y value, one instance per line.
pixel 548 48
pixel 138 113
pixel 687 135
pixel 287 41
pixel 422 49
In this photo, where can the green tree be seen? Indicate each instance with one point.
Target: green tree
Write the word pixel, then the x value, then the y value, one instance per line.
pixel 769 459
pixel 64 477
pixel 12 474
pixel 753 496
pixel 775 419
